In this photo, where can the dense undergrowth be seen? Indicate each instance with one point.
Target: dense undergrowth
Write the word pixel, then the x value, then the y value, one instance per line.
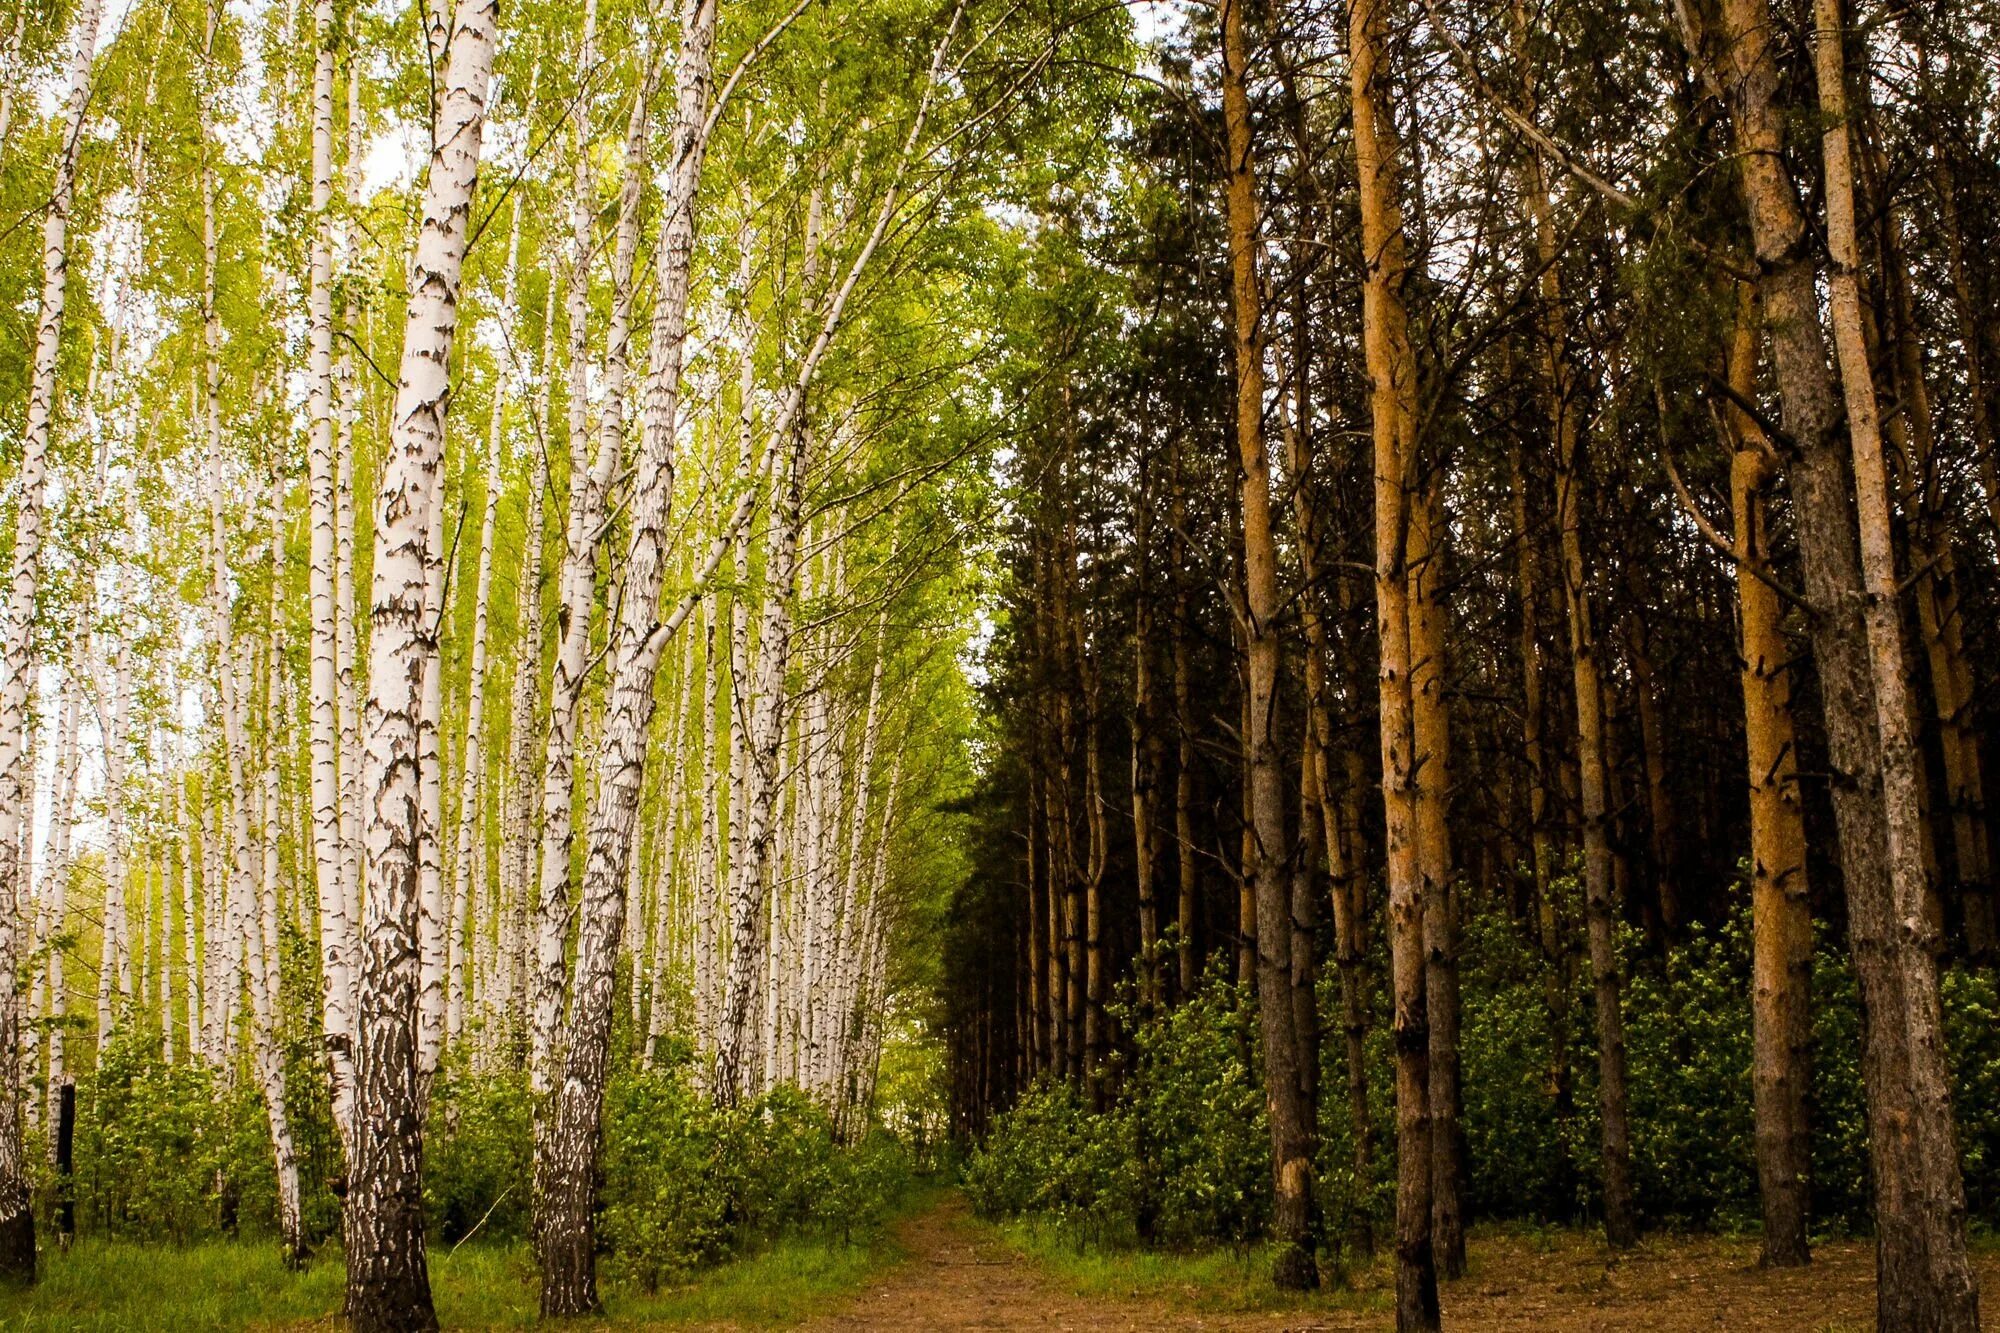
pixel 176 1153
pixel 1179 1154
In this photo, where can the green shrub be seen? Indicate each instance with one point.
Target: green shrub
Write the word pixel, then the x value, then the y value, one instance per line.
pixel 687 1183
pixel 1181 1155
pixel 672 1183
pixel 168 1151
pixel 1051 1157
pixel 478 1156
pixel 1202 1144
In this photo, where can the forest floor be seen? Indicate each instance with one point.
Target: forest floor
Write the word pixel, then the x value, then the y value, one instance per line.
pixel 960 1274
pixel 938 1270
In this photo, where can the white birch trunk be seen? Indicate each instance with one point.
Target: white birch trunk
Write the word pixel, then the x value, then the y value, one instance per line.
pixel 432 910
pixel 347 662
pixel 191 969
pixel 55 893
pixel 239 894
pixel 469 854
pixel 388 1285
pixel 266 994
pixel 170 891
pixel 576 594
pixel 566 1159
pixel 338 932
pixel 17 1226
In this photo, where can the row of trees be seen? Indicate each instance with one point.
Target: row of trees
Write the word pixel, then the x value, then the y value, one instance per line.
pixel 486 548
pixel 1609 385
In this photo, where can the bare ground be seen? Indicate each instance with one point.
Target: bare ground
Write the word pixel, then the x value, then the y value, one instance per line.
pixel 958 1274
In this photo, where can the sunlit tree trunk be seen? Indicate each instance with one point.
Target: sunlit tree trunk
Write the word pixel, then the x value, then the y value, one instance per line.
pixel 1781 920
pixel 576 592
pixel 339 939
pixel 266 992
pixel 519 865
pixel 55 893
pixel 432 911
pixel 1431 735
pixel 1266 850
pixel 567 1153
pixel 1391 374
pixel 468 861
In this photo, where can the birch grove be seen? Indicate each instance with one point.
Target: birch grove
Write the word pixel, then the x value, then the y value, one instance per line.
pixel 389 699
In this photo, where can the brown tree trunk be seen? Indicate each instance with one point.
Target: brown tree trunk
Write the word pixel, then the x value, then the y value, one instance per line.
pixel 1188 885
pixel 1320 803
pixel 1939 608
pixel 1265 848
pixel 1097 854
pixel 1559 391
pixel 1553 938
pixel 1036 1031
pixel 1431 737
pixel 1781 921
pixel 1392 380
pixel 1923 1278
pixel 1147 759
pixel 1652 753
pixel 1600 918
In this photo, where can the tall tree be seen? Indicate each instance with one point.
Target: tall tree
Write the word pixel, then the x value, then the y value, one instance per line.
pixel 388 1280
pixel 1266 851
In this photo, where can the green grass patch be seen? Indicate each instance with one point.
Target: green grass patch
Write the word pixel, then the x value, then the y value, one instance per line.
pixel 1223 1280
pixel 107 1286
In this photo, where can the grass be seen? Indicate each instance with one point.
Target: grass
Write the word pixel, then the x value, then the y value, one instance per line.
pixel 106 1286
pixel 1224 1280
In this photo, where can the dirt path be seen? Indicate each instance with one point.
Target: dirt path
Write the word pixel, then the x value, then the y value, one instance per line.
pixel 959 1275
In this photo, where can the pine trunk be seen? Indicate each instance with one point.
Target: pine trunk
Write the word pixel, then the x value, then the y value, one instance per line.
pixel 1266 850
pixel 1391 374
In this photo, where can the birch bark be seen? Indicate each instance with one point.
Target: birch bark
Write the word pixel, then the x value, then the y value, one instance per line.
pixel 566 1154
pixel 388 1286
pixel 17 662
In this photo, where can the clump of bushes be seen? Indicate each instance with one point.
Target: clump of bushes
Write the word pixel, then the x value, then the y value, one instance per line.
pixel 179 1152
pixel 1688 1048
pixel 163 1152
pixel 1179 1154
pixel 686 1183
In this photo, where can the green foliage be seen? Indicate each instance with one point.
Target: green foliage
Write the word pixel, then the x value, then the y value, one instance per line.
pixel 1181 1155
pixel 1198 1116
pixel 1687 1037
pixel 688 1183
pixel 1051 1158
pixel 478 1155
pixel 1688 1047
pixel 167 1152
pixel 175 1153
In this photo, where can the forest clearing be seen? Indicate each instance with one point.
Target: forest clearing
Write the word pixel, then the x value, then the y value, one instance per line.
pixel 923 664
